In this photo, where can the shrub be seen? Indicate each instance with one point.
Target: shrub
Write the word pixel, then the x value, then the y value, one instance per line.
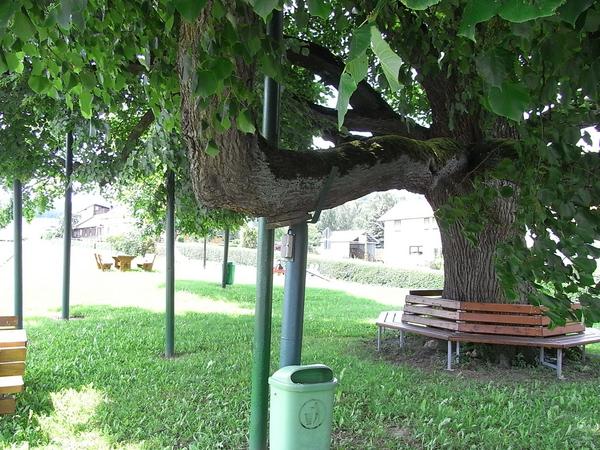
pixel 249 237
pixel 347 270
pixel 135 244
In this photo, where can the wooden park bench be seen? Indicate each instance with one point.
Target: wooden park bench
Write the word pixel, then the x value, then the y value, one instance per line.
pixel 147 263
pixel 427 314
pixel 100 264
pixel 13 350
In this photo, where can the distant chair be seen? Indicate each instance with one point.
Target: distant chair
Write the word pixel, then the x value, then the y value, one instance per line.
pixel 102 265
pixel 147 263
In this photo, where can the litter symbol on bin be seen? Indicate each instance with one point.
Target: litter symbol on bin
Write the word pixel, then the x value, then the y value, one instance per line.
pixel 312 414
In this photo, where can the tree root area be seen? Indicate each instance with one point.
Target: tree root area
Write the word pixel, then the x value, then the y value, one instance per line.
pixel 486 362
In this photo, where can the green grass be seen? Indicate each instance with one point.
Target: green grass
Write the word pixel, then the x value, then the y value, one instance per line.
pixel 101 382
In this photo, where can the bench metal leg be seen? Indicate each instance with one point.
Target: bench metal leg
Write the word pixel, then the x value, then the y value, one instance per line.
pixel 401 339
pixel 458 352
pixel 449 367
pixel 378 338
pixel 583 353
pixel 559 355
pixel 542 355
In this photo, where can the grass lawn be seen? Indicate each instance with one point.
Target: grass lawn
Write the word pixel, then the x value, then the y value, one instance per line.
pixel 101 382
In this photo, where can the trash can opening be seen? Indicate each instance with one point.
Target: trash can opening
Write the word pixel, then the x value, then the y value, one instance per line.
pixel 312 375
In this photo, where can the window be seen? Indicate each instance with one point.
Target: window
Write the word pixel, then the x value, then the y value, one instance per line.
pixel 415 250
pixel 397 225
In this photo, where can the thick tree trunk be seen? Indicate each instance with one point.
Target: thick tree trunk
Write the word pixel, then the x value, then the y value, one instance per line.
pixel 469 269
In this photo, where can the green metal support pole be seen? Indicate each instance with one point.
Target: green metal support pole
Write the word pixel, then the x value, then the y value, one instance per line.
pixel 170 256
pixel 18 257
pixel 293 299
pixel 67 226
pixel 225 257
pixel 259 401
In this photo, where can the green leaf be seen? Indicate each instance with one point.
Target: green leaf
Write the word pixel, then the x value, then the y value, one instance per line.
pixel 14 61
pixel 319 8
pixel 85 103
pixel 525 10
pixel 346 88
pixel 390 61
pixel 38 84
pixel 420 5
pixel 222 68
pixel 358 68
pixel 572 9
pixel 510 101
pixel 361 39
pixel 264 7
pixel 475 12
pixel 211 148
pixel 22 26
pixel 207 83
pixel 7 9
pixel 189 9
pixel 491 68
pixel 244 122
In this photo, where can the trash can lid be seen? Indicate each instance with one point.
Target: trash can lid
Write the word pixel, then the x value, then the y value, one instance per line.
pixel 307 377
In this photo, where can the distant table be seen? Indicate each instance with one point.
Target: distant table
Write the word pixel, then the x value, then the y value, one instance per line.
pixel 123 262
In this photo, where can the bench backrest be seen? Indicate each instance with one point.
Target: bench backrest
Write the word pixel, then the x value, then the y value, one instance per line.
pixel 13 351
pixel 487 318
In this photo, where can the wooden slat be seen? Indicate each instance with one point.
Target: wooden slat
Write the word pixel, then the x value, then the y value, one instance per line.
pixel 8 321
pixel 568 328
pixel 500 307
pixel 500 329
pixel 430 311
pixel 12 368
pixel 422 330
pixel 11 385
pixel 445 324
pixel 7 405
pixel 12 354
pixel 13 338
pixel 503 318
pixel 426 292
pixel 415 299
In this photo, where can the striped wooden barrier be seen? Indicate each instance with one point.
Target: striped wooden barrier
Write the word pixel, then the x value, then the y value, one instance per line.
pixel 13 352
pixel 426 313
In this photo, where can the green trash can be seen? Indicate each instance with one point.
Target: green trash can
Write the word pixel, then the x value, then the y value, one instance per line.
pixel 230 273
pixel 301 407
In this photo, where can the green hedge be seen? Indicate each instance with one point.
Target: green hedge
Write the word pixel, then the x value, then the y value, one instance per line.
pixel 349 270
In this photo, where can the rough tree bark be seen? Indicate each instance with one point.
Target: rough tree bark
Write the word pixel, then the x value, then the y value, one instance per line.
pixel 249 176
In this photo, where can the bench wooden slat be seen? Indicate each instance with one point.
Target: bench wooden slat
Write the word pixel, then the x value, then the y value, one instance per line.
pixel 415 299
pixel 12 368
pixel 445 324
pixel 422 330
pixel 500 329
pixel 590 336
pixel 13 354
pixel 13 338
pixel 575 327
pixel 7 405
pixel 8 321
pixel 11 385
pixel 500 307
pixel 444 313
pixel 504 318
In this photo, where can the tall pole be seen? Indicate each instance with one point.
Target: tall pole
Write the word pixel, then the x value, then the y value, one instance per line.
pixel 170 256
pixel 293 298
pixel 18 258
pixel 259 401
pixel 67 226
pixel 204 254
pixel 225 257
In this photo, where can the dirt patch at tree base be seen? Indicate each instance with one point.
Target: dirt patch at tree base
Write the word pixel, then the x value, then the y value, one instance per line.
pixel 431 355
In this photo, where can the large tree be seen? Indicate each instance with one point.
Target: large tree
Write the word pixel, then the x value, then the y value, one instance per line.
pixel 478 105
